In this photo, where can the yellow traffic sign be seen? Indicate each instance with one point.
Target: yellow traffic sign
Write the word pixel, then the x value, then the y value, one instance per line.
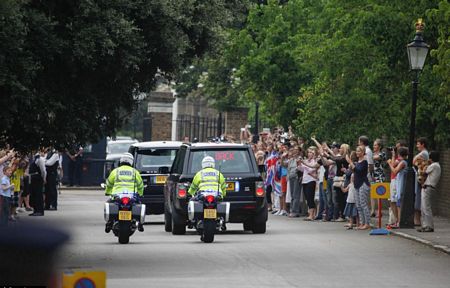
pixel 82 279
pixel 380 190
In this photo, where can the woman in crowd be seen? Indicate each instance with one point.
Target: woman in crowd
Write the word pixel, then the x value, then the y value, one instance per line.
pixel 362 187
pixel 309 168
pixel 400 176
pixel 379 158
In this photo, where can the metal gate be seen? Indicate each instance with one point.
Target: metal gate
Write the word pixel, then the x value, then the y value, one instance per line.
pixel 197 127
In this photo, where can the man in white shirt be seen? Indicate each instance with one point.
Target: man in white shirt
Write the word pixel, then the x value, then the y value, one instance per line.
pixel 433 173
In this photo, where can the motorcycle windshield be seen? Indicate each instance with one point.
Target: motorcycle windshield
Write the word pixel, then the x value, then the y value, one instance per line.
pixel 209 192
pixel 126 193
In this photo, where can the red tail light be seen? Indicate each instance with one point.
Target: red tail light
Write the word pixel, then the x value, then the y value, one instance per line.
pixel 125 200
pixel 209 198
pixel 181 193
pixel 181 190
pixel 260 189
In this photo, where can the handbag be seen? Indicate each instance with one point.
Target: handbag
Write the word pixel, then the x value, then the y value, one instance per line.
pixel 338 181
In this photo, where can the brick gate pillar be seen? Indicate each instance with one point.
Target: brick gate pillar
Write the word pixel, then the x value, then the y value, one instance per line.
pixel 160 107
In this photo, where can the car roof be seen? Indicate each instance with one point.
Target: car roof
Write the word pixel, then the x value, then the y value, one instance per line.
pixel 131 141
pixel 158 144
pixel 119 138
pixel 218 145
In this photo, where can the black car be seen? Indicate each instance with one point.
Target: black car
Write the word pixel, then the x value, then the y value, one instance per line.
pixel 150 158
pixel 245 189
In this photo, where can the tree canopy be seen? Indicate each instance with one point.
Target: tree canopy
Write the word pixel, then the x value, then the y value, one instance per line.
pixel 71 70
pixel 338 69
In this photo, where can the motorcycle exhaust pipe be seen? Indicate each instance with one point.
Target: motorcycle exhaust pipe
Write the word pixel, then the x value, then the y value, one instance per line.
pixel 106 212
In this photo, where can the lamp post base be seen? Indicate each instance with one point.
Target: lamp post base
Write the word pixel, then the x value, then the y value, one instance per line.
pixel 407 205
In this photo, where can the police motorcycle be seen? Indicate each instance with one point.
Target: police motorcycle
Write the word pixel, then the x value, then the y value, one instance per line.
pixel 208 214
pixel 124 214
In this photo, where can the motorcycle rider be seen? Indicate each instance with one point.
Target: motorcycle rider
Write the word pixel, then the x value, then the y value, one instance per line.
pixel 124 178
pixel 208 179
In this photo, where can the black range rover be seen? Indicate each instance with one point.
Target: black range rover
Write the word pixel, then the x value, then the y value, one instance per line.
pixel 150 158
pixel 245 189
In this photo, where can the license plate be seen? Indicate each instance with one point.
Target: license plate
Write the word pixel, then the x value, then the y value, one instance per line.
pixel 160 179
pixel 125 215
pixel 210 213
pixel 230 186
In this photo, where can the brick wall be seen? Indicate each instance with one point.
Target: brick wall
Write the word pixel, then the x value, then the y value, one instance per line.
pixel 162 126
pixel 441 201
pixel 160 111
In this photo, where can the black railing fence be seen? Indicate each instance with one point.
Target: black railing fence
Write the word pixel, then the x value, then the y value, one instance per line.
pixel 197 127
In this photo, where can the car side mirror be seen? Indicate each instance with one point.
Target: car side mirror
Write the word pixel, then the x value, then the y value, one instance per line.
pixel 163 170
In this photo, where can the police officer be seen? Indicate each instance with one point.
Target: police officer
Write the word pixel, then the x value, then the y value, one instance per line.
pixel 208 179
pixel 124 178
pixel 51 193
pixel 38 175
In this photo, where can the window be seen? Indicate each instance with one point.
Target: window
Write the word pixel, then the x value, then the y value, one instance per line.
pixel 118 147
pixel 227 161
pixel 177 167
pixel 154 158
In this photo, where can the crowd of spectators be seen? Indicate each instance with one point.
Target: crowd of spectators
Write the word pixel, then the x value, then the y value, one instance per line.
pixel 325 181
pixel 29 182
pixel 330 181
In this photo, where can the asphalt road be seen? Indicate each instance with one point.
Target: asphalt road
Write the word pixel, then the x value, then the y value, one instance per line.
pixel 293 253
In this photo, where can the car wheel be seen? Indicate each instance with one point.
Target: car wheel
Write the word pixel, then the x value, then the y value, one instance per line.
pixel 259 222
pixel 248 225
pixel 178 223
pixel 167 220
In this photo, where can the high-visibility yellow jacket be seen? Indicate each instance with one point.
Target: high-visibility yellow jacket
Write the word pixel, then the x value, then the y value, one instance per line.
pixel 124 178
pixel 208 179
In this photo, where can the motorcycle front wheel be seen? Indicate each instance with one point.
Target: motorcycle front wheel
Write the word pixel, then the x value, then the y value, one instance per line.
pixel 209 228
pixel 124 232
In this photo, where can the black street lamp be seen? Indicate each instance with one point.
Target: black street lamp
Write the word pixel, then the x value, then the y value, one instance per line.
pixel 256 134
pixel 417 53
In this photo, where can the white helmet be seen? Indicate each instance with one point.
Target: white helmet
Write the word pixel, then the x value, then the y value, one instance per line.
pixel 208 162
pixel 127 158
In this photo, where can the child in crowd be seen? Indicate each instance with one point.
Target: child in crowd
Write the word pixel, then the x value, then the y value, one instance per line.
pixel 16 178
pixel 5 196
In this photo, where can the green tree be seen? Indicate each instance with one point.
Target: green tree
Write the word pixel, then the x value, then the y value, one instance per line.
pixel 340 69
pixel 71 70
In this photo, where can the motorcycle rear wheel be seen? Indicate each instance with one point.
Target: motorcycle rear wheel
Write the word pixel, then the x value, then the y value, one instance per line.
pixel 209 228
pixel 124 232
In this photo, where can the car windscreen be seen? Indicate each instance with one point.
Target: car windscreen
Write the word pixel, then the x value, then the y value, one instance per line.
pixel 118 148
pixel 154 158
pixel 227 160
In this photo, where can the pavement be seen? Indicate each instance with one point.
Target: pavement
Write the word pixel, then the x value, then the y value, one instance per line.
pixel 293 253
pixel 439 239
